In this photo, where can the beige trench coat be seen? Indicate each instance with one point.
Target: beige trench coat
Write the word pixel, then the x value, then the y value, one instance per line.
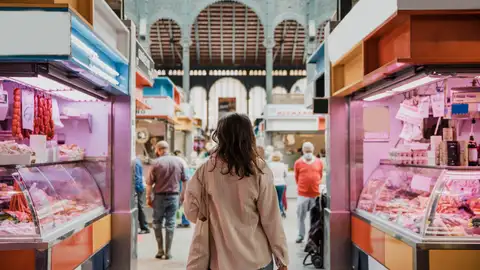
pixel 245 223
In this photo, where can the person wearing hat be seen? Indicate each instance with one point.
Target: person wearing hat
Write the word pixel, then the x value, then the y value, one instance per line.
pixel 308 176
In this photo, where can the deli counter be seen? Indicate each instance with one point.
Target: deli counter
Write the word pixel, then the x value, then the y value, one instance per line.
pixel 46 209
pixel 420 214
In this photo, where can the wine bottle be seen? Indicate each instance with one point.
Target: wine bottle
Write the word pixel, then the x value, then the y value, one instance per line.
pixel 472 148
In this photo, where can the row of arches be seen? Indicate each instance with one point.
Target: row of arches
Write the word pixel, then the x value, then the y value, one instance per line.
pixel 237 40
pixel 251 102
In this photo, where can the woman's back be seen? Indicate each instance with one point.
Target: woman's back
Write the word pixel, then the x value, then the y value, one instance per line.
pixel 245 224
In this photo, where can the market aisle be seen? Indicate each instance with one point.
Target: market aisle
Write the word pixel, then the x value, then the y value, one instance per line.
pixel 147 247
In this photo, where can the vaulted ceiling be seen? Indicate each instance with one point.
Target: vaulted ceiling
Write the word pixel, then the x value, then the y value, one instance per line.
pixel 227 34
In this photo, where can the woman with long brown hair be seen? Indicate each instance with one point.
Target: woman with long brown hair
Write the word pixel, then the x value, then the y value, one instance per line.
pixel 245 227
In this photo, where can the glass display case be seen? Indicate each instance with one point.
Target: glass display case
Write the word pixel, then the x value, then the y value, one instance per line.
pixel 40 202
pixel 426 201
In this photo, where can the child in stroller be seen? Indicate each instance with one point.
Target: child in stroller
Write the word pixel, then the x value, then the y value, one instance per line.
pixel 314 246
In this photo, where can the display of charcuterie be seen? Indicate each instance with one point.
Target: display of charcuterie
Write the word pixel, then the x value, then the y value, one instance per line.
pixel 426 201
pixel 39 200
pixel 457 211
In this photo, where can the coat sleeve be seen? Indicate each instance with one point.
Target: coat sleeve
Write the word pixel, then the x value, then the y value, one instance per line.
pixel 270 218
pixel 193 195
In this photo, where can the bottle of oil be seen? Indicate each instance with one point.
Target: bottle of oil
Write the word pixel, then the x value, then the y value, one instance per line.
pixel 472 148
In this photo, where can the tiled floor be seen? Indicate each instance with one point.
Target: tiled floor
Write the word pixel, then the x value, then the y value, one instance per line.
pixel 147 247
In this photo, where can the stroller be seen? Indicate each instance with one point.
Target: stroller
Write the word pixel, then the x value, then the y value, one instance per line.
pixel 314 246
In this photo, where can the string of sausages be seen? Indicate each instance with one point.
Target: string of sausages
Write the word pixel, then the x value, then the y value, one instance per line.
pixel 43 120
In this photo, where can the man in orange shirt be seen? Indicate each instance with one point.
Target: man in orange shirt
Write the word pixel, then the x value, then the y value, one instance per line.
pixel 308 176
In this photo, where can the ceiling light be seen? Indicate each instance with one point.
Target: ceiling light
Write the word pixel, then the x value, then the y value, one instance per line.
pixel 415 84
pixel 82 46
pixel 52 87
pixel 379 96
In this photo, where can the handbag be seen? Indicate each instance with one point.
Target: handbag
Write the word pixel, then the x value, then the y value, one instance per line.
pixel 199 255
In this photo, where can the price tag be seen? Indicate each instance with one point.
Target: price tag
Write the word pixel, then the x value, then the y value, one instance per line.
pixel 420 182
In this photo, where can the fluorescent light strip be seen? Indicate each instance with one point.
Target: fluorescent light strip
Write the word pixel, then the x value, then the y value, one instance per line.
pixel 75 95
pixel 103 75
pixel 94 57
pixel 403 88
pixel 77 42
pixel 379 96
pixel 52 87
pixel 106 68
pixel 42 83
pixel 415 84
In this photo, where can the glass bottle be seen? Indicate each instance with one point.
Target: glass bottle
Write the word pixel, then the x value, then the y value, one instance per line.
pixel 472 148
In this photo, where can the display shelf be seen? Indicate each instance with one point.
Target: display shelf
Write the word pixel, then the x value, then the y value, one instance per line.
pixel 452 168
pixel 83 117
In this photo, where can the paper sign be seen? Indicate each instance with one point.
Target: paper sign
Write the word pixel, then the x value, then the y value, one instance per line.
pixel 421 183
pixel 28 101
pixel 424 107
pixel 438 104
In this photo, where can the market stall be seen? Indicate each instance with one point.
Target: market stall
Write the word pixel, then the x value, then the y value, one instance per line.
pixel 407 94
pixel 184 130
pixel 164 100
pixel 289 126
pixel 59 136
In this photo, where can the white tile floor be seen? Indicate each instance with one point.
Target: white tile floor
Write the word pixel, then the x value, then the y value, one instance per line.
pixel 147 247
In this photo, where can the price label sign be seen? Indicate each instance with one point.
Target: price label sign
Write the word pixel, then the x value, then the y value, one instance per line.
pixel 421 183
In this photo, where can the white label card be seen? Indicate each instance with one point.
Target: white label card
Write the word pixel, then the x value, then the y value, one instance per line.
pixel 28 113
pixel 438 104
pixel 421 183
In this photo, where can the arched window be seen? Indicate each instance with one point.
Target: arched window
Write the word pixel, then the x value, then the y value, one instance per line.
pixel 226 87
pixel 257 102
pixel 198 101
pixel 299 87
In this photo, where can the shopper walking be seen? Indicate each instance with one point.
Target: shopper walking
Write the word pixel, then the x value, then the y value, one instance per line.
pixel 308 176
pixel 184 222
pixel 279 170
pixel 237 190
pixel 164 182
pixel 140 192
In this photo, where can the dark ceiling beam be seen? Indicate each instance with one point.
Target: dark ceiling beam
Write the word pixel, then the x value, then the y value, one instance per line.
pixel 256 41
pixel 245 37
pixel 172 47
pixel 209 35
pixel 233 35
pixel 295 43
pixel 221 33
pixel 160 41
pixel 197 41
pixel 284 33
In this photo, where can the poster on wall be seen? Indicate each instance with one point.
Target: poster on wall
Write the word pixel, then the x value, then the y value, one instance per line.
pixel 376 123
pixel 226 105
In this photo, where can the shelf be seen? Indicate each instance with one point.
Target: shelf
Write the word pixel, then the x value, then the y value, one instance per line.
pixel 42 164
pixel 84 117
pixel 457 168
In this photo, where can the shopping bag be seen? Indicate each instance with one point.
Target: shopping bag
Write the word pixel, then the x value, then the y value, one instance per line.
pixel 199 255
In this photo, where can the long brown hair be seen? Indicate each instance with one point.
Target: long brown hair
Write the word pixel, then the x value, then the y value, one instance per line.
pixel 236 146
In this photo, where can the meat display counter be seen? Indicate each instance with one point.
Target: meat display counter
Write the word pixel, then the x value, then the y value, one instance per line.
pixel 420 212
pixel 41 205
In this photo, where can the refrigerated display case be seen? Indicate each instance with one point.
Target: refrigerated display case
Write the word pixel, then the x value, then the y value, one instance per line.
pixel 41 204
pixel 427 203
